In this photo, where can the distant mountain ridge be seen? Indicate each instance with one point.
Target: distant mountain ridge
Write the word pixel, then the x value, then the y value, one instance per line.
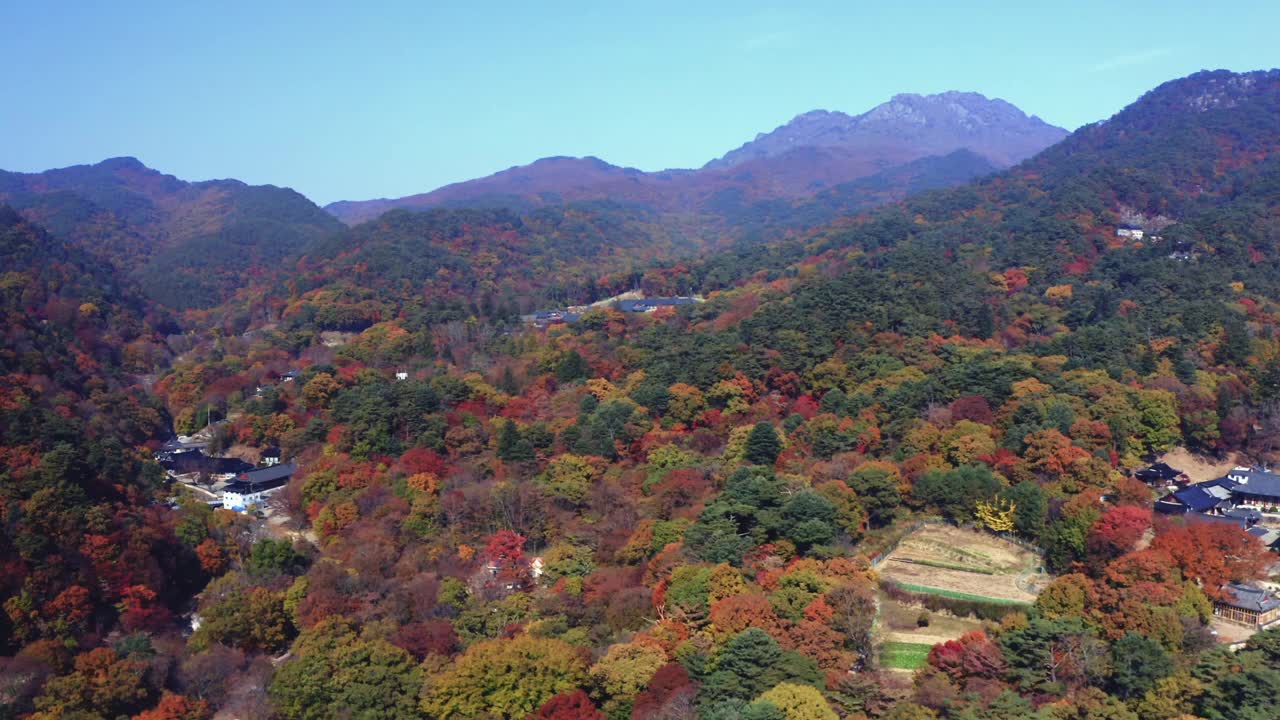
pixel 910 123
pixel 194 245
pixel 816 151
pixel 188 243
pixel 1194 161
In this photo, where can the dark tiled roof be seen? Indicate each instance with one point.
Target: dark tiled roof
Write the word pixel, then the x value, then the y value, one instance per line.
pixel 1267 536
pixel 230 465
pixel 555 316
pixel 1255 482
pixel 1199 498
pixel 1158 471
pixel 1245 514
pixel 197 462
pixel 268 474
pixel 241 487
pixel 1250 597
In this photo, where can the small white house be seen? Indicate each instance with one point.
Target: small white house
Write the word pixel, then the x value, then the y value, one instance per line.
pixel 253 488
pixel 270 457
pixel 1132 232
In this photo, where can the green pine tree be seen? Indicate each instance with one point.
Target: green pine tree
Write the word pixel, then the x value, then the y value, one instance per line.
pixel 763 445
pixel 512 446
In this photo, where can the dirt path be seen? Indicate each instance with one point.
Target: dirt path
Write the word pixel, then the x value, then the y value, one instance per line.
pixel 908 637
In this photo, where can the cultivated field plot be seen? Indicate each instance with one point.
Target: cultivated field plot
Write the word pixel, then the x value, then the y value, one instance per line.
pixel 904 655
pixel 906 641
pixel 965 564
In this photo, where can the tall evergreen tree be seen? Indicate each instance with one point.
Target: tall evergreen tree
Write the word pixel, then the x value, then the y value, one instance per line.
pixel 763 445
pixel 572 367
pixel 512 446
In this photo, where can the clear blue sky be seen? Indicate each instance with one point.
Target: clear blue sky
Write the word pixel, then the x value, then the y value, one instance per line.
pixel 341 101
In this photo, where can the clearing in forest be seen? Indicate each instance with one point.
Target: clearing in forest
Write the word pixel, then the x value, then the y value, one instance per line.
pixel 907 639
pixel 897 655
pixel 1202 468
pixel 964 564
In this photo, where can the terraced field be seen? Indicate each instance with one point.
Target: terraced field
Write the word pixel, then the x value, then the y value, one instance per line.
pixel 965 564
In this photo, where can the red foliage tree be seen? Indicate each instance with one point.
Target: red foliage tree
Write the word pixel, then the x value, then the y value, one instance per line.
pixel 434 637
pixel 70 610
pixel 785 382
pixel 570 706
pixel 972 655
pixel 1116 532
pixel 1213 554
pixel 505 553
pixel 140 609
pixel 736 613
pixel 670 685
pixel 806 407
pixel 606 583
pixel 971 407
pixel 680 488
pixel 176 707
pixel 212 560
pixel 1135 594
pixel 422 460
pixel 819 611
pixel 820 642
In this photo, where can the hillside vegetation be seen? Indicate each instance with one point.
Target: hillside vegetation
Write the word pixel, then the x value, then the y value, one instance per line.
pixel 674 514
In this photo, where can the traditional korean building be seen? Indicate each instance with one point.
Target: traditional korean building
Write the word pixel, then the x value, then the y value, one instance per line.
pixel 1247 605
pixel 254 487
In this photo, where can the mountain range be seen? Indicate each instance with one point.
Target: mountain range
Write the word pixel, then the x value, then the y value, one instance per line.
pixel 909 125
pixel 195 244
pixel 815 151
pixel 1172 162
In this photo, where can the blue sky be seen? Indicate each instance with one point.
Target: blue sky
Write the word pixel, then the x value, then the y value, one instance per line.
pixel 341 101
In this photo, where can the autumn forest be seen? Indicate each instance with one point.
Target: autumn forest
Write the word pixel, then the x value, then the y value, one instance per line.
pixel 880 465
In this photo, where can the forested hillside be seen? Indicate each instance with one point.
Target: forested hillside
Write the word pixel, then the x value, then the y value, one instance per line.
pixel 685 513
pixel 86 550
pixel 189 245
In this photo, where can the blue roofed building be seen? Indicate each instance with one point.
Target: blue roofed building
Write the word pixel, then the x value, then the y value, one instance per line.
pixel 1254 488
pixel 1269 537
pixel 1241 498
pixel 1206 497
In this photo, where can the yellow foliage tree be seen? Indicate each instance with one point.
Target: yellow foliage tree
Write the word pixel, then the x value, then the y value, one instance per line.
pixel 1059 292
pixel 319 389
pixel 686 404
pixel 602 389
pixel 424 482
pixel 503 678
pixel 996 515
pixel 799 702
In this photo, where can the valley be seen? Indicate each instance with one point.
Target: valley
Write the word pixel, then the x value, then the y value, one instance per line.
pixel 859 420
